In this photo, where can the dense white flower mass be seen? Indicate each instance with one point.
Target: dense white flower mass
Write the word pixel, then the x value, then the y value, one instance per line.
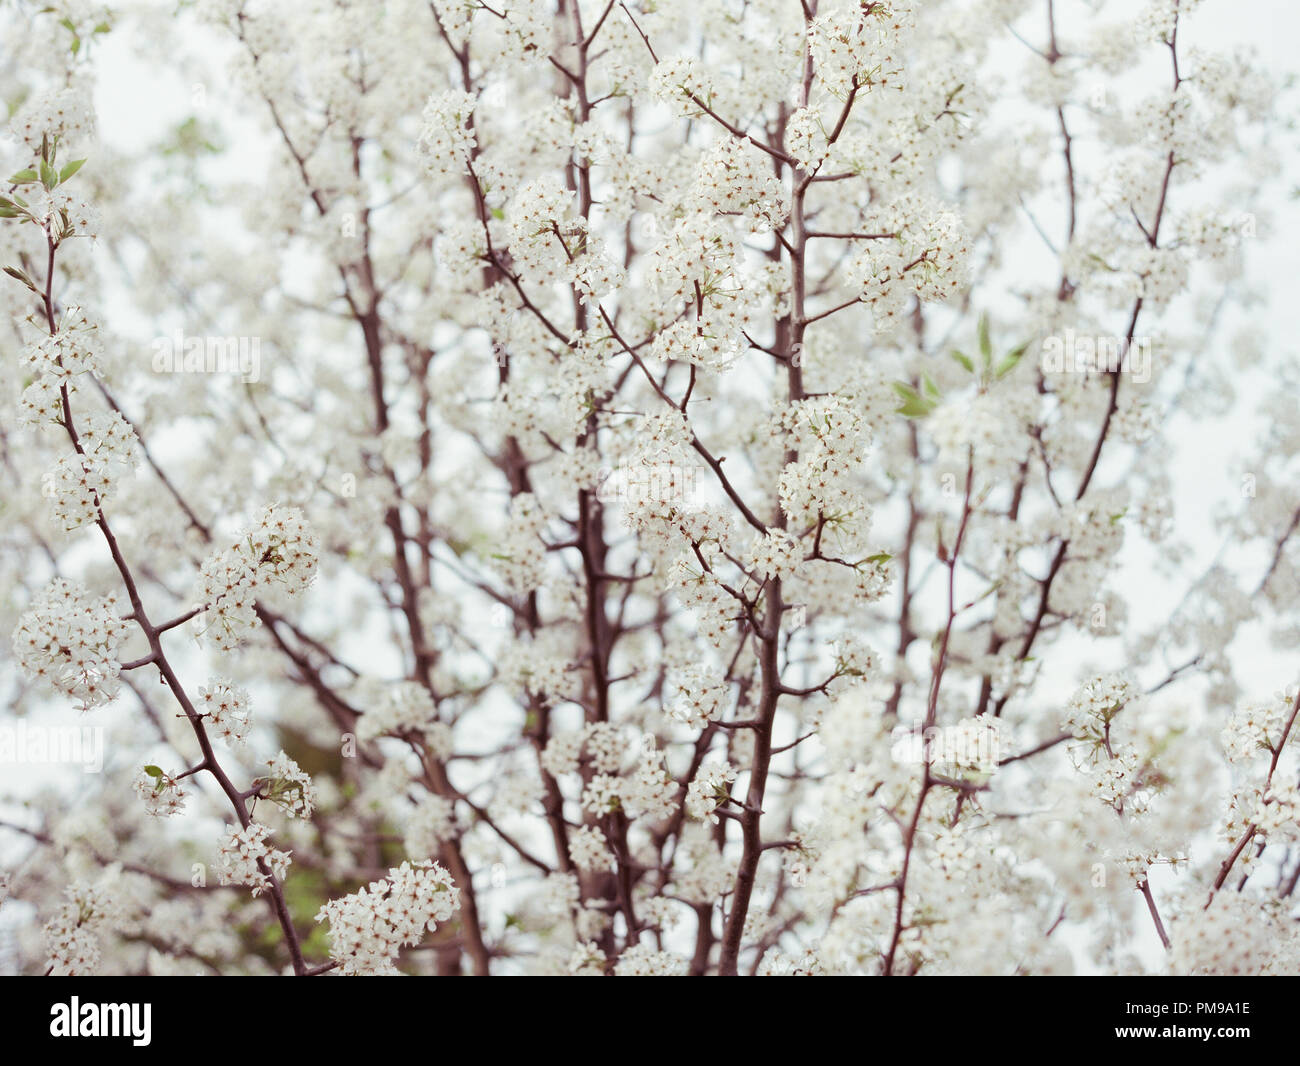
pixel 647 489
pixel 226 708
pixel 71 641
pixel 641 960
pixel 588 848
pixel 369 927
pixel 280 551
pixel 447 138
pixel 246 857
pixel 1230 938
pixel 71 351
pixel 72 935
pixel 709 790
pixel 288 787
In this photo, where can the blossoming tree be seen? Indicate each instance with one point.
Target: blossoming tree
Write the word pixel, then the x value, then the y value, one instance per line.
pixel 690 507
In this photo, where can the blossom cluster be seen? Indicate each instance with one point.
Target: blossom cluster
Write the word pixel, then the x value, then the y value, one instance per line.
pixel 245 857
pixel 162 793
pixel 72 934
pixel 72 640
pixel 279 552
pixel 368 928
pixel 709 790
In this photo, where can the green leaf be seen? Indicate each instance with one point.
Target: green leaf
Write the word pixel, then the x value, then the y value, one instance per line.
pixel 1012 358
pixel 931 389
pixel 986 345
pixel 155 772
pixel 14 272
pixel 23 177
pixel 49 176
pixel 498 214
pixel 879 559
pixel 914 404
pixel 963 359
pixel 70 169
pixel 8 209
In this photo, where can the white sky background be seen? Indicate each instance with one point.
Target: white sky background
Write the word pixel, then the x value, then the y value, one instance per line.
pixel 140 104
